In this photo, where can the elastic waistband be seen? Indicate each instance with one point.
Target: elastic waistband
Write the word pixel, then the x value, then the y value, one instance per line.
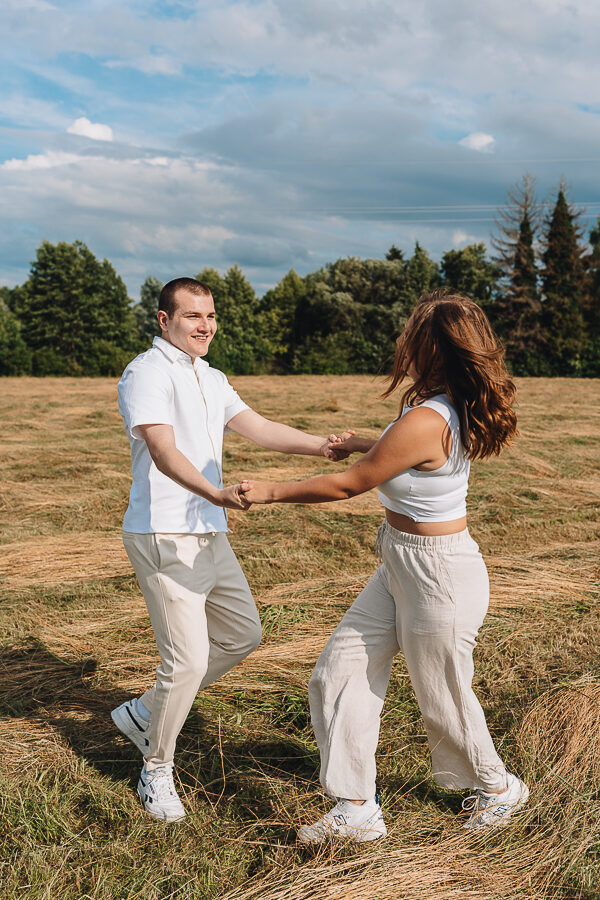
pixel 439 542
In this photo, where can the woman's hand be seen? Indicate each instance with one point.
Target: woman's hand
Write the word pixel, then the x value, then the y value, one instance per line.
pixel 257 491
pixel 233 497
pixel 348 442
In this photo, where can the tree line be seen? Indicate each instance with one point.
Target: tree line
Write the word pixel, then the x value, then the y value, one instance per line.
pixel 540 289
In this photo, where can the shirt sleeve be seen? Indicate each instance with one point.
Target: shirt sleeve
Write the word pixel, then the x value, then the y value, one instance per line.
pixel 232 402
pixel 145 398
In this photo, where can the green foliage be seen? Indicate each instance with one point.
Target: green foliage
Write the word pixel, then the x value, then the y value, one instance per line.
pixel 590 307
pixel 280 307
pixel 524 276
pixel 145 311
pixel 15 357
pixel 76 313
pixel 73 317
pixel 423 274
pixel 350 315
pixel 469 272
pixel 241 344
pixel 395 253
pixel 516 308
pixel 562 321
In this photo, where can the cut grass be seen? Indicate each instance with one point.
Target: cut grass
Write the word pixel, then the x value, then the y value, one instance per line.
pixel 76 642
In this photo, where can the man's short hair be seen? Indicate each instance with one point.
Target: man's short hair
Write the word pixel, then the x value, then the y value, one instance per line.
pixel 167 302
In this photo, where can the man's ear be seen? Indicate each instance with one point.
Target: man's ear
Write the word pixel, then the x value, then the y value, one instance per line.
pixel 163 319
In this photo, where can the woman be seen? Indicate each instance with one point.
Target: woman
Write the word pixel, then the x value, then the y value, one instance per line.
pixel 430 595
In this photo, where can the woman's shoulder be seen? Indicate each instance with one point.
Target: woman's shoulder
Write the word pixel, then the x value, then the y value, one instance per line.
pixel 440 403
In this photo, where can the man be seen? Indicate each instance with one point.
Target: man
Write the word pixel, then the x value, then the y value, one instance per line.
pixel 175 408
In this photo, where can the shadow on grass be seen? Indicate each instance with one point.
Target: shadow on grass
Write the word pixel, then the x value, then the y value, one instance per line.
pixel 247 776
pixel 39 687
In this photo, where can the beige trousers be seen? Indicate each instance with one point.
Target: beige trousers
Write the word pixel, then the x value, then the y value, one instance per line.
pixel 429 598
pixel 204 621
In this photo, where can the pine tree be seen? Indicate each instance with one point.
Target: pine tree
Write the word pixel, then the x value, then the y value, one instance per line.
pixel 241 345
pixel 423 274
pixel 395 254
pixel 282 307
pixel 562 284
pixel 516 309
pixel 591 306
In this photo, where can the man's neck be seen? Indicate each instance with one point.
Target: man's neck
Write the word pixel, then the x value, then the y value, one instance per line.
pixel 193 358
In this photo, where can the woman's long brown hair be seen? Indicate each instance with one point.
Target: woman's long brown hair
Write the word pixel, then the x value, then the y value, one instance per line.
pixel 454 351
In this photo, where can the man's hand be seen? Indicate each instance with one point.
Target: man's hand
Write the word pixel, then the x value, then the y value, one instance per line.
pixel 233 497
pixel 257 491
pixel 331 449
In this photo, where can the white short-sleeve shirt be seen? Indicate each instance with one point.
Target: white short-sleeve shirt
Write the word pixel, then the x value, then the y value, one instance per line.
pixel 164 387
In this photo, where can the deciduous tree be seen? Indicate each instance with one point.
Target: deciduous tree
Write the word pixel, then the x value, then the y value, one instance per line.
pixel 15 356
pixel 145 311
pixel 76 313
pixel 469 272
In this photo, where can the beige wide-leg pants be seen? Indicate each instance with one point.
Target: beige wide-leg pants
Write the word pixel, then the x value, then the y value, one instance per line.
pixel 204 621
pixel 429 598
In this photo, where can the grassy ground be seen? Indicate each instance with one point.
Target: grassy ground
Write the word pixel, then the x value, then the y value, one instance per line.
pixel 76 642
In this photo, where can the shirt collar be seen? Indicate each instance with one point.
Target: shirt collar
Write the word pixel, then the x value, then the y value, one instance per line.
pixel 174 354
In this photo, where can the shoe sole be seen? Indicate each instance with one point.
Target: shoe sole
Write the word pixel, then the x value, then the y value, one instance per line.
pixel 360 836
pixel 166 821
pixel 122 723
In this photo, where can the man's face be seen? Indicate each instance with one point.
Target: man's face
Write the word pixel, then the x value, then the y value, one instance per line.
pixel 193 324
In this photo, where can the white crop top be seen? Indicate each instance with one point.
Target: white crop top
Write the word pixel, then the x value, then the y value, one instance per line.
pixel 439 495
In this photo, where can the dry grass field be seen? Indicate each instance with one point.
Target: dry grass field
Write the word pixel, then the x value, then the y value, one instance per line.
pixel 76 642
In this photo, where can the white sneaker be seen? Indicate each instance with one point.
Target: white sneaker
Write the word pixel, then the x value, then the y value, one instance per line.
pixel 157 793
pixel 132 725
pixel 494 810
pixel 347 820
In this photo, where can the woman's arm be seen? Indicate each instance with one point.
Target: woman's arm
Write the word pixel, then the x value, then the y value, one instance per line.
pixel 411 441
pixel 354 444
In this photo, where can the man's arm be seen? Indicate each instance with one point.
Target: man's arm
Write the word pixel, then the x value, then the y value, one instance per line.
pixel 160 440
pixel 276 436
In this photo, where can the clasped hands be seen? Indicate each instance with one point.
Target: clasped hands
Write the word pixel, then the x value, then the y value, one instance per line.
pixel 241 496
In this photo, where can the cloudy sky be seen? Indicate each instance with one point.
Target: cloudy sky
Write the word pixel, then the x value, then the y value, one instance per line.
pixel 174 134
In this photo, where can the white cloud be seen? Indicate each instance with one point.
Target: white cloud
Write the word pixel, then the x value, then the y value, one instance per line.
pixel 94 130
pixel 35 5
pixel 478 140
pixel 49 160
pixel 461 237
pixel 149 64
pixel 346 114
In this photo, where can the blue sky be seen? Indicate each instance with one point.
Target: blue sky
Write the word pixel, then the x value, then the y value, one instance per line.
pixel 173 135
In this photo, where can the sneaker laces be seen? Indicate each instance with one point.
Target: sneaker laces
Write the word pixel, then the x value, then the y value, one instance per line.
pixel 471 804
pixel 485 804
pixel 161 779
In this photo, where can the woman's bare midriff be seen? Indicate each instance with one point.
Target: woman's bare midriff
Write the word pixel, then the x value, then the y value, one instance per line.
pixel 425 529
